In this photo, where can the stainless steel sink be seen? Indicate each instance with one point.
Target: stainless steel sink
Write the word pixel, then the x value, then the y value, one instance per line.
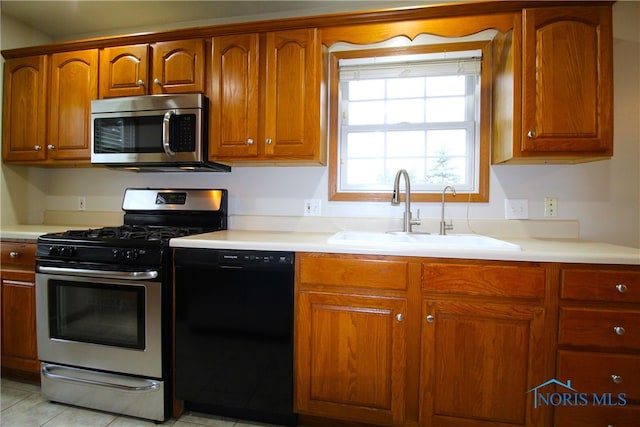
pixel 419 240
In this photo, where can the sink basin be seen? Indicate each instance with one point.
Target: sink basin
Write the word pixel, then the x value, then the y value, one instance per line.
pixel 419 240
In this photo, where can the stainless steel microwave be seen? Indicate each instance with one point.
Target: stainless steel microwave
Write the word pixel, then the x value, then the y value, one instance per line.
pixel 152 133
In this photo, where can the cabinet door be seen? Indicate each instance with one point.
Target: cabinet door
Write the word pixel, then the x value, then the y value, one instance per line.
pixel 292 94
pixel 478 363
pixel 234 97
pixel 19 349
pixel 74 83
pixel 24 111
pixel 124 71
pixel 350 357
pixel 178 67
pixel 567 80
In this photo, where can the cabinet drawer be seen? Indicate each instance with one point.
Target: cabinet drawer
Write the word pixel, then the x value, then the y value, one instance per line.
pixel 601 285
pixel 621 416
pixel 359 272
pixel 490 280
pixel 608 329
pixel 19 255
pixel 601 373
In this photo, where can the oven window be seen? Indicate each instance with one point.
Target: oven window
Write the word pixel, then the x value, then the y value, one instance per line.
pixel 99 314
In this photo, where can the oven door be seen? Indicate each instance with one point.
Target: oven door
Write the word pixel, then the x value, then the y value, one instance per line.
pixel 100 319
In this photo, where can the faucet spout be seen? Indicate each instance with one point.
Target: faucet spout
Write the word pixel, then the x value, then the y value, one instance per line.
pixel 408 222
pixel 443 224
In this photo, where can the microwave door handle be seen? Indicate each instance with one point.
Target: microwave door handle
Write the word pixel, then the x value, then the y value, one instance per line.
pixel 166 143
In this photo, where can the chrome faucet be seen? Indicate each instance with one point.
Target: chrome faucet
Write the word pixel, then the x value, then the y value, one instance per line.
pixel 395 200
pixel 443 224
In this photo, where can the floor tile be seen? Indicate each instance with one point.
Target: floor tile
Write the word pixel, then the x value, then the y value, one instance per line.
pixel 78 417
pixel 189 419
pixel 32 411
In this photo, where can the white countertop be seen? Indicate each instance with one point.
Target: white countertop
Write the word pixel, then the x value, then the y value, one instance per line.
pixel 533 249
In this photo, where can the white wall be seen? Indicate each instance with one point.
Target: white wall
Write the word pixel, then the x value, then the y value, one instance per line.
pixel 603 196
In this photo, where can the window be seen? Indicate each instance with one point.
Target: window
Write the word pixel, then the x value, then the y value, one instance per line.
pixel 424 109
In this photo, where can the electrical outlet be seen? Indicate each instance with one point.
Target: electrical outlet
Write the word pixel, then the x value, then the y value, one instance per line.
pixel 550 206
pixel 311 207
pixel 516 209
pixel 82 203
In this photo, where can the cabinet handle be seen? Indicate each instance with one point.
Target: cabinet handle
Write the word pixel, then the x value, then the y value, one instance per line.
pixel 430 319
pixel 619 330
pixel 14 254
pixel 37 147
pixel 399 317
pixel 531 134
pixel 268 141
pixel 621 287
pixel 250 141
pixel 157 81
pixel 617 379
pixel 51 147
pixel 140 83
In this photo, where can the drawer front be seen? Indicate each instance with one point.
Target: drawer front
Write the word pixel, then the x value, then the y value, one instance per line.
pixel 601 285
pixel 20 255
pixel 602 373
pixel 489 280
pixel 608 329
pixel 621 416
pixel 357 272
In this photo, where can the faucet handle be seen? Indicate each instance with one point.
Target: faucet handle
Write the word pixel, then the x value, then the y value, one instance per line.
pixel 416 220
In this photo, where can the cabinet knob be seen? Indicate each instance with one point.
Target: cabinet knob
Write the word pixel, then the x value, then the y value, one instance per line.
pixel 619 330
pixel 268 141
pixel 399 317
pixel 37 147
pixel 430 318
pixel 617 379
pixel 141 83
pixel 157 81
pixel 51 147
pixel 531 134
pixel 250 141
pixel 14 254
pixel 621 287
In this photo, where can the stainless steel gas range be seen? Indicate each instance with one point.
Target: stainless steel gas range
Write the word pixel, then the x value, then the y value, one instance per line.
pixel 104 301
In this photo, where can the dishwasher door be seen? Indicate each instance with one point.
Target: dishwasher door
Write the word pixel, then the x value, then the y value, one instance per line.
pixel 234 333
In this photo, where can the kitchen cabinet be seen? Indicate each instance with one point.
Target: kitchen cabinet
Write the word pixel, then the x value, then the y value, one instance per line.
pixel 266 100
pixel 175 67
pixel 556 104
pixel 350 338
pixel 24 109
pixel 485 343
pixel 599 344
pixel 17 287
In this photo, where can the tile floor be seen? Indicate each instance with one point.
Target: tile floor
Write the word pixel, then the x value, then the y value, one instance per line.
pixel 22 406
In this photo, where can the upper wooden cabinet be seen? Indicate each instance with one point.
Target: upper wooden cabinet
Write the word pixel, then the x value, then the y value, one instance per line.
pixel 24 109
pixel 557 104
pixel 266 99
pixel 163 67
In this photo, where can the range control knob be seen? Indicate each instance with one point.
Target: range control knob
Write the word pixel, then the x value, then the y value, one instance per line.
pixel 68 251
pixel 54 250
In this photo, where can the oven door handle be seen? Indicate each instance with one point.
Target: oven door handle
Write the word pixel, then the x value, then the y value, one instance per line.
pixel 47 372
pixel 103 274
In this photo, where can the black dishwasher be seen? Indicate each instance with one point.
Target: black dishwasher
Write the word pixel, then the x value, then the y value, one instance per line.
pixel 234 333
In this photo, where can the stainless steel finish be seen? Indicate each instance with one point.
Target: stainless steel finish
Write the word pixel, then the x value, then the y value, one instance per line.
pixel 17 282
pixel 140 83
pixel 444 227
pixel 99 274
pixel 196 200
pixel 619 330
pixel 617 379
pixel 157 81
pixel 531 134
pixel 399 317
pixel 14 254
pixel 408 221
pixel 37 147
pixel 250 141
pixel 146 362
pixel 51 147
pixel 269 141
pixel 621 287
pixel 165 134
pixel 133 396
pixel 430 318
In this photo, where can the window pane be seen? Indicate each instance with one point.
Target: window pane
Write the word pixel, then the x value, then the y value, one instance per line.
pixel 366 172
pixel 405 111
pixel 446 170
pixel 446 85
pixel 405 144
pixel 366 112
pixel 445 109
pixel 366 89
pixel 405 88
pixel 365 144
pixel 452 142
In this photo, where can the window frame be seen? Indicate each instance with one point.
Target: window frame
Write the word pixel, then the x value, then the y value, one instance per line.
pixel 482 193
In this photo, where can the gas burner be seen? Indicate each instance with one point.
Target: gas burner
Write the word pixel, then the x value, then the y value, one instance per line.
pixel 133 232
